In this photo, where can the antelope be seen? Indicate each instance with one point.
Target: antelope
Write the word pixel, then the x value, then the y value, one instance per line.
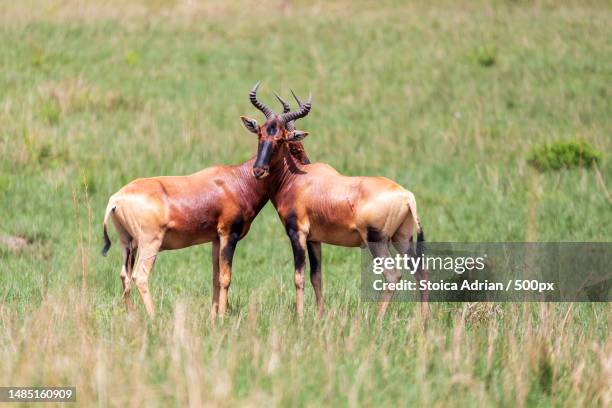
pixel 318 205
pixel 217 204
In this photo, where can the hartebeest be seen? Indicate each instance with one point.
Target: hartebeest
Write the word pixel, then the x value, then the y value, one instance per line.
pixel 215 205
pixel 317 204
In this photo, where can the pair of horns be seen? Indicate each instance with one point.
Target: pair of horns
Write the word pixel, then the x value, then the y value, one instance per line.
pixel 290 126
pixel 287 117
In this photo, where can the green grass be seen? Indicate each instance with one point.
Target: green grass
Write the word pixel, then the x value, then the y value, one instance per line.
pixel 447 100
pixel 564 154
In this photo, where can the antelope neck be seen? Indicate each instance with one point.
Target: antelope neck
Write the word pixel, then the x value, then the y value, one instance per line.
pixel 284 168
pixel 252 192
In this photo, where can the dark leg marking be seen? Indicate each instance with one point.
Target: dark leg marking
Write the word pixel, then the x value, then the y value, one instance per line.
pixel 299 255
pixel 133 258
pixel 375 235
pixel 314 254
pixel 376 240
pixel 314 258
pixel 234 236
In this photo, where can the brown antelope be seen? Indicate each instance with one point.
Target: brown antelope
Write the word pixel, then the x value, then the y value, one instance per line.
pixel 215 205
pixel 317 204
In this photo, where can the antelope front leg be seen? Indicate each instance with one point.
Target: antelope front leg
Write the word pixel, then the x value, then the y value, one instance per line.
pixel 314 255
pixel 215 278
pixel 298 244
pixel 227 246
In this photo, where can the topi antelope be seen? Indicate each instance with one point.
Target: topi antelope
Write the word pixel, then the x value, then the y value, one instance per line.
pixel 215 205
pixel 317 204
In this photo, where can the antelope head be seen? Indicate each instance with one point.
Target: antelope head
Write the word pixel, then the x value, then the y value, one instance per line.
pixel 277 129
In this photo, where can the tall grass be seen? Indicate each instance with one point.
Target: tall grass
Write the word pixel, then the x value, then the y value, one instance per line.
pixel 447 99
pixel 480 354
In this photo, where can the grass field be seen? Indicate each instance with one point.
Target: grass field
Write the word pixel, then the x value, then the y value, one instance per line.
pixel 446 99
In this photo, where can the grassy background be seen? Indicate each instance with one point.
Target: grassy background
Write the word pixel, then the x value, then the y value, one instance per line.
pixel 446 99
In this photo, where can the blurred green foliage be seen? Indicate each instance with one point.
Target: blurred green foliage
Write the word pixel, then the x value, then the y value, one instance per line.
pixel 564 154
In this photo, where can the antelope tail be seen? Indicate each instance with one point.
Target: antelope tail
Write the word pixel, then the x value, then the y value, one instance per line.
pixel 107 242
pixel 420 240
pixel 420 246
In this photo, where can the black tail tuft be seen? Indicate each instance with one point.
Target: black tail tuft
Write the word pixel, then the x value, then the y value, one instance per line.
pixel 107 243
pixel 420 242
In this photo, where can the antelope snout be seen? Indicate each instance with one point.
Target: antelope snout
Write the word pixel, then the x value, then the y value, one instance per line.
pixel 260 172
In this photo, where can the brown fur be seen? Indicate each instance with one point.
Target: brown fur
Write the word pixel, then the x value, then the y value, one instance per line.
pixel 317 204
pixel 217 204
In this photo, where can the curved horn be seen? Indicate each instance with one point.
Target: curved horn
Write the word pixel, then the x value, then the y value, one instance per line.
pixel 286 107
pixel 263 108
pixel 298 114
pixel 296 98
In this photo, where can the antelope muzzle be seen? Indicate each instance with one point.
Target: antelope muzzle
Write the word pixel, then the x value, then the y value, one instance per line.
pixel 261 168
pixel 261 172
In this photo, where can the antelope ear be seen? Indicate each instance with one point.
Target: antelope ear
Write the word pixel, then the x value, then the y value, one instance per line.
pixel 250 124
pixel 296 136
